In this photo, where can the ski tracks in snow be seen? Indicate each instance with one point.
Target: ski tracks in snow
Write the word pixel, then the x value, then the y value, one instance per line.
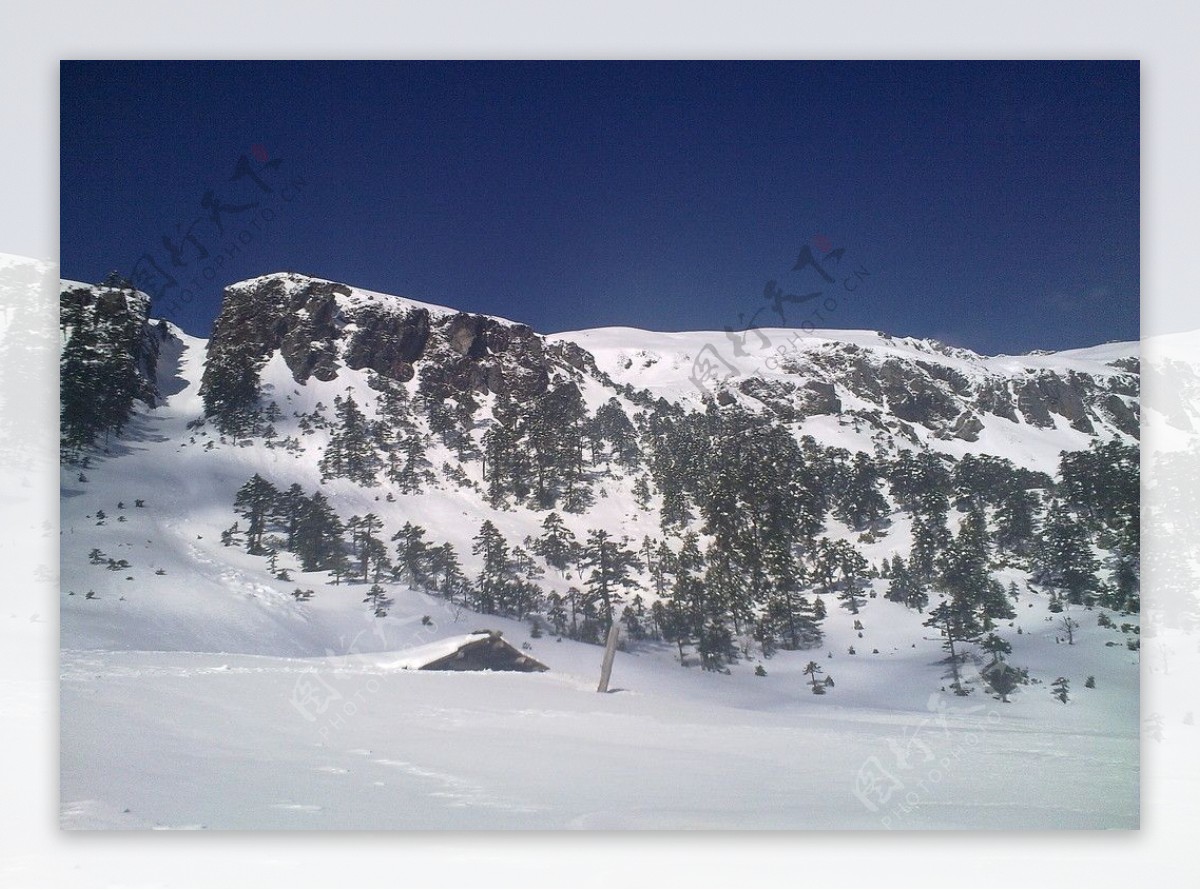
pixel 455 790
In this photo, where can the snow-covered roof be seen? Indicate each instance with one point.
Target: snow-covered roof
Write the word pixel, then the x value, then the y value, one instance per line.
pixel 421 657
pixel 416 658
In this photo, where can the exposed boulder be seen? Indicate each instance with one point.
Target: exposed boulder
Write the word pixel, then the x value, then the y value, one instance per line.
pixel 1032 404
pixel 1122 415
pixel 576 357
pixel 914 396
pixel 775 395
pixel 1046 394
pixel 819 397
pixel 995 398
pixel 388 343
pixel 967 427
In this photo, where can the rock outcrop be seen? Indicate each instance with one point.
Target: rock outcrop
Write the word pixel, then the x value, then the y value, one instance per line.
pixel 320 327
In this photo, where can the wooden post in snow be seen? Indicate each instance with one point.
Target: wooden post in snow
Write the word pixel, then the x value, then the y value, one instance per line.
pixel 610 650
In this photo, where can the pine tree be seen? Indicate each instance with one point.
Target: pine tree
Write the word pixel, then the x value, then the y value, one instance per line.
pixel 767 631
pixel 789 615
pixel 995 646
pixel 819 612
pixel 556 613
pixel 674 624
pixel 231 386
pixel 860 503
pixel 905 587
pixel 715 645
pixel 612 429
pixel 641 492
pixel 676 508
pixel 551 429
pixel 1016 522
pixel 376 558
pixel 920 483
pixel 662 569
pixel 446 572
pixel 579 497
pixel 571 416
pixel 1064 559
pixel 963 566
pixel 853 568
pixel 378 599
pixel 610 563
pixel 413 556
pixel 557 545
pixel 338 565
pixel 634 618
pixel 525 564
pixel 409 467
pixel 525 598
pixel 319 539
pixel 495 576
pixel 1102 486
pixel 930 538
pixel 80 421
pixel 813 671
pixel 1003 678
pixel 704 591
pixel 579 607
pixel 369 549
pixel 351 453
pixel 1125 595
pixel 996 604
pixel 755 504
pixel 688 607
pixel 103 366
pixel 885 568
pixel 394 406
pixel 253 503
pixel 498 451
pixel 823 564
pixel 956 622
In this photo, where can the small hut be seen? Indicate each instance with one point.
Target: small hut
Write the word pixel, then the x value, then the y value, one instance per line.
pixel 483 650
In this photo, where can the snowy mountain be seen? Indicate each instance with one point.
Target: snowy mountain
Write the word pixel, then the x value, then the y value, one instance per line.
pixel 259 530
pixel 920 391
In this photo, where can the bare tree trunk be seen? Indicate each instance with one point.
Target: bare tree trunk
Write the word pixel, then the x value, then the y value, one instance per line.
pixel 610 650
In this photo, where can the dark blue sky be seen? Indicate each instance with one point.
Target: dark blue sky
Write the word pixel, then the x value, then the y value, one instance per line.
pixel 994 204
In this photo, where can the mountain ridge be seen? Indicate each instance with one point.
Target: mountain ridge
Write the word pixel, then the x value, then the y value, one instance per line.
pixel 916 389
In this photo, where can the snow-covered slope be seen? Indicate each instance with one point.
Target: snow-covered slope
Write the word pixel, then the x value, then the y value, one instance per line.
pixel 1027 408
pixel 192 661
